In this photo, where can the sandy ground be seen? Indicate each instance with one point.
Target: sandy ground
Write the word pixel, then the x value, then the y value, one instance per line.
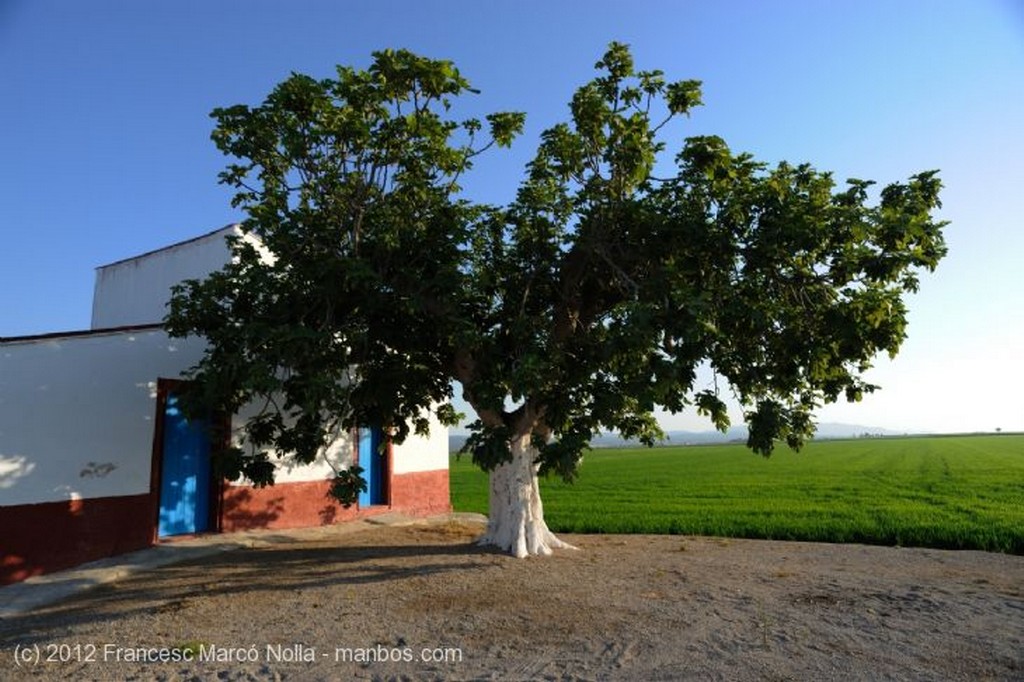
pixel 424 603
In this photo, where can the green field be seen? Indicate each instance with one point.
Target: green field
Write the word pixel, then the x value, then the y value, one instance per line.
pixel 951 492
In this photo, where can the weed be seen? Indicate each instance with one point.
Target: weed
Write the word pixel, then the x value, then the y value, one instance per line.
pixel 190 649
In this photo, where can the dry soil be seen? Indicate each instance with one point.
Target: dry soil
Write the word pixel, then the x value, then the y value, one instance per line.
pixel 422 602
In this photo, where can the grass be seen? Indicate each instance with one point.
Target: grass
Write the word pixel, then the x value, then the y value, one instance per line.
pixel 957 492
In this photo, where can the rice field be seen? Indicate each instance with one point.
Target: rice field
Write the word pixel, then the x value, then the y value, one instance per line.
pixel 956 492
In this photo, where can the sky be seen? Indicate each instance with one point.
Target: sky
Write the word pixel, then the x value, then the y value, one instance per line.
pixel 105 150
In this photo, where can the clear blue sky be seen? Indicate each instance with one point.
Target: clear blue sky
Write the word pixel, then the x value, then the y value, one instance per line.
pixel 105 151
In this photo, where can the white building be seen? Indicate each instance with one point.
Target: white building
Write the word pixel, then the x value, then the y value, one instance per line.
pixel 96 460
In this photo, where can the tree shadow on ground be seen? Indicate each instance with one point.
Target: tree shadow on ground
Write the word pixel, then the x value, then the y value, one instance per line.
pixel 270 570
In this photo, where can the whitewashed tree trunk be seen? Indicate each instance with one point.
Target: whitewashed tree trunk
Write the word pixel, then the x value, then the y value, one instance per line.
pixel 516 521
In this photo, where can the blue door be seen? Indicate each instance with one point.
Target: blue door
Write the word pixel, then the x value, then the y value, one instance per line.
pixel 372 461
pixel 185 473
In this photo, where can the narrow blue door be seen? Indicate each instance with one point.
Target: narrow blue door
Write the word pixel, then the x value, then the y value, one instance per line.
pixel 185 473
pixel 372 462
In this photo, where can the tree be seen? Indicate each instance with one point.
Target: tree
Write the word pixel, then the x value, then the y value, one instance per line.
pixel 585 304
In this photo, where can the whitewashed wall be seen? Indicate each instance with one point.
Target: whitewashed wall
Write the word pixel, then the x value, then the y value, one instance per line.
pixel 417 453
pixel 136 290
pixel 77 413
pixel 340 454
pixel 420 453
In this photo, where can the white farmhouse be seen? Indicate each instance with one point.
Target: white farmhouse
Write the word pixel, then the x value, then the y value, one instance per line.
pixel 96 459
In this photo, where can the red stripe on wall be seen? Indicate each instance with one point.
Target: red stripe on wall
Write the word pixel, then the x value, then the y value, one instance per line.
pixel 421 492
pixel 285 505
pixel 40 538
pixel 303 504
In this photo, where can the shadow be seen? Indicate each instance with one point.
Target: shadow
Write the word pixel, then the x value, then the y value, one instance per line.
pixel 240 510
pixel 328 515
pixel 273 571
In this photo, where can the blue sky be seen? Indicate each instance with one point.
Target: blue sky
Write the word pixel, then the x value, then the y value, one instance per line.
pixel 105 151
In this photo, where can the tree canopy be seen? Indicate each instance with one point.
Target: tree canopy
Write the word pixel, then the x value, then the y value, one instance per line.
pixel 585 304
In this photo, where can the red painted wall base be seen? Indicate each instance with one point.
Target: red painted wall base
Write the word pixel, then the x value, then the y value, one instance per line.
pixel 298 505
pixel 284 505
pixel 41 538
pixel 421 492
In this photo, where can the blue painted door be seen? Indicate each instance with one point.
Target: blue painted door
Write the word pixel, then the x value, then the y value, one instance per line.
pixel 372 462
pixel 185 473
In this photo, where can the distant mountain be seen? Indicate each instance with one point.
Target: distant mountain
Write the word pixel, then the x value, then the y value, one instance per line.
pixel 736 434
pixel 456 441
pixel 835 430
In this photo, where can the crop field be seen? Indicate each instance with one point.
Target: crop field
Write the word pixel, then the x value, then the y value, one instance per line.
pixel 958 492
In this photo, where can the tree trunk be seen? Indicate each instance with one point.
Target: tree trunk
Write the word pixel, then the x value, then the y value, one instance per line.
pixel 516 520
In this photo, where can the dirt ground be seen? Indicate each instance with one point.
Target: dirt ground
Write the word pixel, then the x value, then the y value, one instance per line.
pixel 424 603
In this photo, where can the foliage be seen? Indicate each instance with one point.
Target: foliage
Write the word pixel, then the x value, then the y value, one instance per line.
pixel 335 316
pixel 603 288
pixel 582 306
pixel 951 492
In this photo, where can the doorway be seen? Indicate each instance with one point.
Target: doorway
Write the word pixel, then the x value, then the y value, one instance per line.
pixel 374 461
pixel 186 480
